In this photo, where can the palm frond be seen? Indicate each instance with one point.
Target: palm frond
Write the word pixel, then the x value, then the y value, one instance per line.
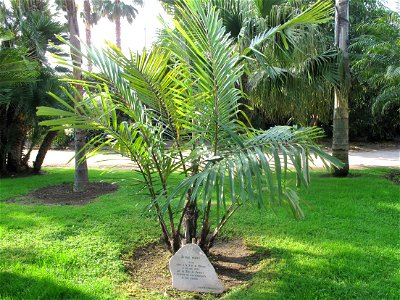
pixel 15 68
pixel 200 43
pixel 255 173
pixel 320 12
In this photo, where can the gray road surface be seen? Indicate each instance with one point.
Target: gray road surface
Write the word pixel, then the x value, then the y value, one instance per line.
pixel 358 159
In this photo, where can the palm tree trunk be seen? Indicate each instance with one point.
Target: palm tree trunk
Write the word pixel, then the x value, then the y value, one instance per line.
pixel 190 220
pixel 44 147
pixel 16 145
pixel 81 171
pixel 3 140
pixel 118 31
pixel 340 140
pixel 88 29
pixel 118 27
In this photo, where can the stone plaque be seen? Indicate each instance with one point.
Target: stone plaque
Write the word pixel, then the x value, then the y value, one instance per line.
pixel 192 271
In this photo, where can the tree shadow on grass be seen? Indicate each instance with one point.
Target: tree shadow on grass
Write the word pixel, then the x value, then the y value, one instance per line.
pixel 14 286
pixel 349 274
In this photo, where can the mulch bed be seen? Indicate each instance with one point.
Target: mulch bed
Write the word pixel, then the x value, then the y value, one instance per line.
pixel 233 261
pixel 63 194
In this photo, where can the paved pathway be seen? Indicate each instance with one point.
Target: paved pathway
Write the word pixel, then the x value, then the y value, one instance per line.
pixel 358 159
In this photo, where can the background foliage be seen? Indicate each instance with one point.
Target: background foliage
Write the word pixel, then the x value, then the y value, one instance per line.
pixel 375 56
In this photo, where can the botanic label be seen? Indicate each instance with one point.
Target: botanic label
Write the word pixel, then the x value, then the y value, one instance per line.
pixel 192 271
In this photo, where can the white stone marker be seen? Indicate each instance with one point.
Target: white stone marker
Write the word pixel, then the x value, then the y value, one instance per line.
pixel 192 271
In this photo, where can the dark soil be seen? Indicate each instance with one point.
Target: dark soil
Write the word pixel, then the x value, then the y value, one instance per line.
pixel 24 173
pixel 330 175
pixel 394 176
pixel 234 263
pixel 63 194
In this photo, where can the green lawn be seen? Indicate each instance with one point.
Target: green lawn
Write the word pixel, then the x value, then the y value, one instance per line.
pixel 346 248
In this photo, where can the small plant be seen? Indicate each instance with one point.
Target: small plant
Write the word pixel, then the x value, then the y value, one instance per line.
pixel 64 139
pixel 181 107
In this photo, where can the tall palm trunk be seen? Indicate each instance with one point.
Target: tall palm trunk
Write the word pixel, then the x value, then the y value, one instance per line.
pixel 81 170
pixel 88 29
pixel 118 27
pixel 340 141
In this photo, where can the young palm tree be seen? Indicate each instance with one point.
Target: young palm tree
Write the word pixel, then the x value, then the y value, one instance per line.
pixel 180 108
pixel 114 10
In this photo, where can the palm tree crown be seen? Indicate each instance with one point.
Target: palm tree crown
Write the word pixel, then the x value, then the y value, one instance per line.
pixel 114 10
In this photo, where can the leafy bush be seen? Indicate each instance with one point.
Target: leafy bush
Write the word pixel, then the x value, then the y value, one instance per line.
pixel 64 139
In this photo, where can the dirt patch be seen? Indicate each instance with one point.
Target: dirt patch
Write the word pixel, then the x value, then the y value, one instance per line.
pixel 25 173
pixel 63 194
pixel 233 261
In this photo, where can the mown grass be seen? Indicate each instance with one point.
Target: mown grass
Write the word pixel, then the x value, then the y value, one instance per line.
pixel 347 247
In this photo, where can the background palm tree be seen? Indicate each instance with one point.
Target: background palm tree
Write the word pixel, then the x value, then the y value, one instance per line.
pixel 292 76
pixel 340 138
pixel 114 10
pixel 375 56
pixel 81 170
pixel 24 57
pixel 15 70
pixel 90 18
